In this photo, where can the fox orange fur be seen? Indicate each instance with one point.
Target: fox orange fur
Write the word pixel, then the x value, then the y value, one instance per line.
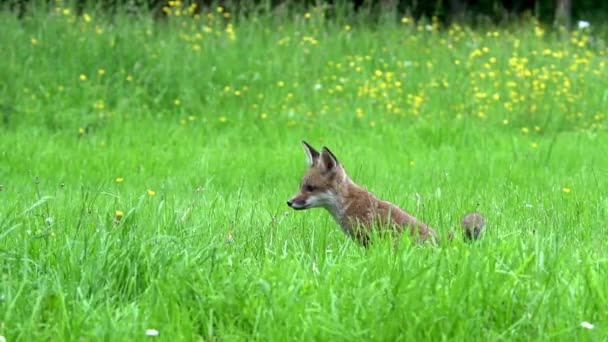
pixel 358 211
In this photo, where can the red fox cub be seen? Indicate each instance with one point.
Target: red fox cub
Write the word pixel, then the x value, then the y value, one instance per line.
pixel 357 210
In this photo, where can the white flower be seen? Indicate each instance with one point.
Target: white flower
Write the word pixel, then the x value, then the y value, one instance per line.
pixel 152 332
pixel 582 24
pixel 2 338
pixel 587 325
pixel 318 86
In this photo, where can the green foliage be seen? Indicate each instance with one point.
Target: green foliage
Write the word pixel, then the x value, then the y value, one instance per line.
pixel 496 11
pixel 145 165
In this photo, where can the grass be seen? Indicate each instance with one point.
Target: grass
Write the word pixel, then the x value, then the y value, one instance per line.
pixel 145 167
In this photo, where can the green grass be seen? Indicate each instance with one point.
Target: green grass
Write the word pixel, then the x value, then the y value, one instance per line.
pixel 204 131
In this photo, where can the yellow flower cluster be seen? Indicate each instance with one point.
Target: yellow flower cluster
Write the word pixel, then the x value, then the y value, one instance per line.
pixel 518 77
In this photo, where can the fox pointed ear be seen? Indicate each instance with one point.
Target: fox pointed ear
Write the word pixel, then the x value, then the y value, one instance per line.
pixel 311 153
pixel 328 160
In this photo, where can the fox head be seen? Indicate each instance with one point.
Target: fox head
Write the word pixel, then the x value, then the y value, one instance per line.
pixel 320 185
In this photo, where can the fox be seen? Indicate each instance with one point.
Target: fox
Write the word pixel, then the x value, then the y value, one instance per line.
pixel 358 211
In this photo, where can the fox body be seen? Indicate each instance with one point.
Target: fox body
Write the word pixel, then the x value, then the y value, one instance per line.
pixel 356 210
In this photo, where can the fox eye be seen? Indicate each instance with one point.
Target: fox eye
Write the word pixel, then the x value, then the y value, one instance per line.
pixel 309 188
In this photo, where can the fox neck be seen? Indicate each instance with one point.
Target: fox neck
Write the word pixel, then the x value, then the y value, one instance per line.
pixel 346 194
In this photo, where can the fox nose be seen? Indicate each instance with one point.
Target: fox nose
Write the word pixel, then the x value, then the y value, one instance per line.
pixel 289 203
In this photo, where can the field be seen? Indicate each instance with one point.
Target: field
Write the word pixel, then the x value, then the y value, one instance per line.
pixel 145 165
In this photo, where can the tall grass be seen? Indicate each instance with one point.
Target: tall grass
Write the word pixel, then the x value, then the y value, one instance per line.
pixel 145 164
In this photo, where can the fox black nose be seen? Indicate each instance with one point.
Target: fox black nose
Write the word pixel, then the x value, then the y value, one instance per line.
pixel 289 203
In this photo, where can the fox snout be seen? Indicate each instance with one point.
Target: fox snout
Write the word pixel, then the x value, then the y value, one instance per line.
pixel 297 203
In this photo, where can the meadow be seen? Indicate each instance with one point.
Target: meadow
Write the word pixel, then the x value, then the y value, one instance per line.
pixel 145 164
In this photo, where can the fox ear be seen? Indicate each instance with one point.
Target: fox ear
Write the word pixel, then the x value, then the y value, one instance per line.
pixel 328 159
pixel 311 153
